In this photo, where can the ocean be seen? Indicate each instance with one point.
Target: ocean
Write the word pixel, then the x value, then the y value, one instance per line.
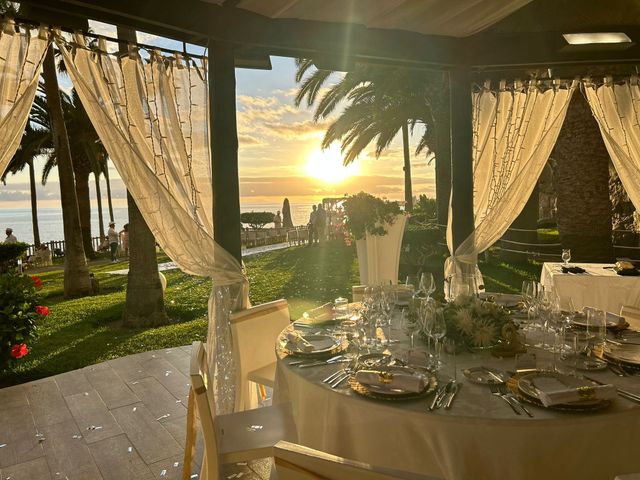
pixel 50 219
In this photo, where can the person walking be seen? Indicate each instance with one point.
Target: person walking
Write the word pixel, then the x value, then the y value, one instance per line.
pixel 112 235
pixel 312 226
pixel 11 238
pixel 321 221
pixel 277 220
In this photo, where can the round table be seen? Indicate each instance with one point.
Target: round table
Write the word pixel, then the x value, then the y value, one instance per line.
pixel 478 438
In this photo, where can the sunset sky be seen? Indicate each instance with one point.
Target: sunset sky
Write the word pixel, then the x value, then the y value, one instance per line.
pixel 279 153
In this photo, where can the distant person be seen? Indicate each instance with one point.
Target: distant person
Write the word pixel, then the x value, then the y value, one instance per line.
pixel 312 226
pixel 124 236
pixel 104 244
pixel 112 235
pixel 11 238
pixel 321 222
pixel 277 220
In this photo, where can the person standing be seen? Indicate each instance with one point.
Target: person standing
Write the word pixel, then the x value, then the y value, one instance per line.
pixel 124 236
pixel 277 220
pixel 11 238
pixel 112 235
pixel 321 221
pixel 312 226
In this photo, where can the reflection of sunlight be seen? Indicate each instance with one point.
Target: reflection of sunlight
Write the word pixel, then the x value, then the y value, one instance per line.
pixel 327 166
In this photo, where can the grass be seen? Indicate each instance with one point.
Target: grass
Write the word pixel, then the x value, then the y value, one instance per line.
pixel 84 331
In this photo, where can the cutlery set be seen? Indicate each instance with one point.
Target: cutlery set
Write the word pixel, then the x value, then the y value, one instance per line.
pixel 445 395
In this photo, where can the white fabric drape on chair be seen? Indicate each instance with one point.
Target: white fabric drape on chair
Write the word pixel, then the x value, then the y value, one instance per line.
pixel 152 117
pixel 514 131
pixel 21 56
pixel 616 107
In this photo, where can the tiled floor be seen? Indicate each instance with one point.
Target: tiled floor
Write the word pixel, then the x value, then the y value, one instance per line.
pixel 123 419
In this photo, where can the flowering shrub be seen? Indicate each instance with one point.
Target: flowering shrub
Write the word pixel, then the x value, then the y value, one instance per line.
pixel 19 312
pixel 365 213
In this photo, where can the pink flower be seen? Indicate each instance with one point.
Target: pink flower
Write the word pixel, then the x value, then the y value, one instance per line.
pixel 37 282
pixel 19 350
pixel 41 310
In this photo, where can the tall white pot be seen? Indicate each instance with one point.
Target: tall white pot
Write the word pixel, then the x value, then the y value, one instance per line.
pixel 379 256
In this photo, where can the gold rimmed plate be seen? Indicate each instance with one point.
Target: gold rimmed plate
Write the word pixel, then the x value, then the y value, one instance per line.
pixel 626 354
pixel 320 345
pixel 380 392
pixel 523 386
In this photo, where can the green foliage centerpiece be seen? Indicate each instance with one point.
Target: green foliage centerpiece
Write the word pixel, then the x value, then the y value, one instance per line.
pixel 365 213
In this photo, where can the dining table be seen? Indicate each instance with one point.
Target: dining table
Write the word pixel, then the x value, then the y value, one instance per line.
pixel 479 437
pixel 598 286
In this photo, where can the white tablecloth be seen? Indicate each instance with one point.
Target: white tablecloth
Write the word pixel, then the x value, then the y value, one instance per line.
pixel 599 287
pixel 478 439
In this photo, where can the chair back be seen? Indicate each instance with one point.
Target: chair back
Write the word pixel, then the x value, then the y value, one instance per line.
pixel 632 316
pixel 201 382
pixel 254 332
pixel 295 462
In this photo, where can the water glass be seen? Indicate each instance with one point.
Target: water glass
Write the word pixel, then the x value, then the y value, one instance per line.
pixel 596 327
pixel 461 285
pixel 341 306
pixel 566 256
pixel 438 331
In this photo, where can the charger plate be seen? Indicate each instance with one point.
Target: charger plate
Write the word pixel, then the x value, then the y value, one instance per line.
pixel 323 345
pixel 626 354
pixel 393 394
pixel 522 385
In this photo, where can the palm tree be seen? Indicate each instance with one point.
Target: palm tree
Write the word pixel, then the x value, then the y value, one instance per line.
pixel 76 273
pixel 35 142
pixel 382 102
pixel 581 180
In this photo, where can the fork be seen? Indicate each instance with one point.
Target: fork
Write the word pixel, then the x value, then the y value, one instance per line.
pixel 504 390
pixel 495 390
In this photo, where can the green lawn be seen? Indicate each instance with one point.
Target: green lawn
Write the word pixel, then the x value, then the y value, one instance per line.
pixel 84 331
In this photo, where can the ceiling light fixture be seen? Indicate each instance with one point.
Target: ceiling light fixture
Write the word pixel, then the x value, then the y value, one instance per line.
pixel 595 38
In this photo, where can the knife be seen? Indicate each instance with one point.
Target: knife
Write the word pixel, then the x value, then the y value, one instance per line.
pixel 454 391
pixel 438 397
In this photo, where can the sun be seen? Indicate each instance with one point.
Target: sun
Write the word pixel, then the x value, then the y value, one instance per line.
pixel 327 165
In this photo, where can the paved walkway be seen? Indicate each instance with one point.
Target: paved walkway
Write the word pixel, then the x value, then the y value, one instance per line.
pixel 123 420
pixel 247 252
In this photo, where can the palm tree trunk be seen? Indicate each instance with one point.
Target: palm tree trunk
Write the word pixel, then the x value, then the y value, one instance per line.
pixel 408 194
pixel 144 305
pixel 76 273
pixel 34 204
pixel 96 175
pixel 84 208
pixel 581 180
pixel 109 202
pixel 442 123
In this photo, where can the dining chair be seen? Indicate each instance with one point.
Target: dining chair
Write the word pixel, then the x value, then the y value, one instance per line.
pixel 632 316
pixel 254 332
pixel 235 437
pixel 295 462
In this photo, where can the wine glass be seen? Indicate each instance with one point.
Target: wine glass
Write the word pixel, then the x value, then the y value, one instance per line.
pixel 438 331
pixel 411 281
pixel 566 256
pixel 429 283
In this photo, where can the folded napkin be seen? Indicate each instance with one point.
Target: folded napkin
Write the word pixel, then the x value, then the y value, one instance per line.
pixel 402 381
pixel 318 315
pixel 300 343
pixel 573 270
pixel 553 392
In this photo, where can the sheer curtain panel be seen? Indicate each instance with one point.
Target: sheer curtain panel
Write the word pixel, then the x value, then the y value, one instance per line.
pixel 152 116
pixel 514 131
pixel 21 56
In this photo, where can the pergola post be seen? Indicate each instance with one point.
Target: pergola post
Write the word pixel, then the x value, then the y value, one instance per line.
pixel 461 155
pixel 224 148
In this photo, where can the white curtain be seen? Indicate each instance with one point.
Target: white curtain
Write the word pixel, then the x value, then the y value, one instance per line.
pixel 152 117
pixel 21 56
pixel 514 131
pixel 616 107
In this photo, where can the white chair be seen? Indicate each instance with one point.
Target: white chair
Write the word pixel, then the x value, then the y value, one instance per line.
pixel 295 462
pixel 236 437
pixel 254 332
pixel 632 316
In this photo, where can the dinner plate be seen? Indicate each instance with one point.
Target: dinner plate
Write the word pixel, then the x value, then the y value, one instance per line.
pixel 523 385
pixel 580 320
pixel 387 393
pixel 373 360
pixel 485 375
pixel 321 344
pixel 626 353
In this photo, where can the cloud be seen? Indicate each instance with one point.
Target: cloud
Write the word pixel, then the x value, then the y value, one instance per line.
pixel 249 141
pixel 296 130
pixel 14 195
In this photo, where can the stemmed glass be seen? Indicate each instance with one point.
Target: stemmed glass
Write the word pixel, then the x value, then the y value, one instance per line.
pixel 438 331
pixel 426 316
pixel 428 283
pixel 566 256
pixel 529 294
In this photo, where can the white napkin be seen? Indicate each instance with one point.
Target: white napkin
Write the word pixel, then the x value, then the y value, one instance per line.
pixel 403 381
pixel 553 392
pixel 296 339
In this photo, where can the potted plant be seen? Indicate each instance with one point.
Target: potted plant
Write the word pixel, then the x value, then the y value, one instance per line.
pixel 377 226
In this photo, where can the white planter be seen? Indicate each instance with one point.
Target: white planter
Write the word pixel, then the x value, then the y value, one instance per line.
pixel 379 256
